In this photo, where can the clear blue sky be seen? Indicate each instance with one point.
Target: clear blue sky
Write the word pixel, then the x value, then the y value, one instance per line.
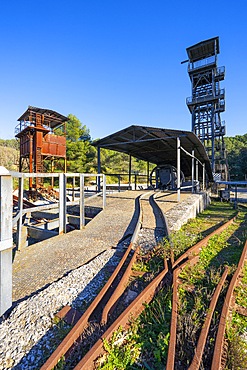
pixel 114 63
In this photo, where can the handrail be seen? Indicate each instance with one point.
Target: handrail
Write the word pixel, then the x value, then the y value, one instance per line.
pixel 61 204
pixel 204 98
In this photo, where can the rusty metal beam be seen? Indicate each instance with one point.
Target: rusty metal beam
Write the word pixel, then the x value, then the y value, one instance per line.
pixel 173 328
pixel 120 288
pixel 132 311
pixel 219 343
pixel 195 364
pixel 195 249
pixel 77 330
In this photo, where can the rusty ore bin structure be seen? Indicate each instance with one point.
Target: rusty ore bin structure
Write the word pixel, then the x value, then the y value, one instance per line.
pixel 36 131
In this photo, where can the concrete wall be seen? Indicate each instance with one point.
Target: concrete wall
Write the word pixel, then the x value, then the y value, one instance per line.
pixel 189 208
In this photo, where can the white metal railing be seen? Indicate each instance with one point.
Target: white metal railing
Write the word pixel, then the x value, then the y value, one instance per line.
pixel 6 216
pixel 61 204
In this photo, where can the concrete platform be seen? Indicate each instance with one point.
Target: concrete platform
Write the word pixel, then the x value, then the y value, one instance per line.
pixel 40 264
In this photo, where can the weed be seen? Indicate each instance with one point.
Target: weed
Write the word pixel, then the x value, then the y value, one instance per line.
pixel 122 350
pixel 145 345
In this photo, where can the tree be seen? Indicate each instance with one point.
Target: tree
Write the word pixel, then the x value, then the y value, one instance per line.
pixel 81 155
pixel 75 131
pixel 236 156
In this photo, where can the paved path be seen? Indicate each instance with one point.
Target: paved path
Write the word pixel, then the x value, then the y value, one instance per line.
pixel 42 263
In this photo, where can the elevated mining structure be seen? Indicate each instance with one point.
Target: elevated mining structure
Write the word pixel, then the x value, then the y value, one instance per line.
pixel 208 102
pixel 42 136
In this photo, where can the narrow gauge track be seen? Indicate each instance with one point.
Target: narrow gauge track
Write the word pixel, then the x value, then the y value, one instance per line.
pixel 104 304
pixel 191 258
pixel 101 310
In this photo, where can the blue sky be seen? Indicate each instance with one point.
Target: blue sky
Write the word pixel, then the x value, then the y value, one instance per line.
pixel 116 63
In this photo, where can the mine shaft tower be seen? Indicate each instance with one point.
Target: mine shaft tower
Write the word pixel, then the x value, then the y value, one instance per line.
pixel 208 102
pixel 41 133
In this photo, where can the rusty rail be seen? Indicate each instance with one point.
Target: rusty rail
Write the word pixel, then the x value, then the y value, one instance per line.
pixel 195 364
pixel 195 249
pixel 120 288
pixel 132 311
pixel 134 308
pixel 173 328
pixel 219 343
pixel 189 257
pixel 77 330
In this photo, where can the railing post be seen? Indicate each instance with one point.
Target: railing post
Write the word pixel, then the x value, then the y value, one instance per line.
pixel 20 209
pixel 104 191
pixel 82 202
pixel 119 183
pixel 62 203
pixel 6 240
pixel 73 191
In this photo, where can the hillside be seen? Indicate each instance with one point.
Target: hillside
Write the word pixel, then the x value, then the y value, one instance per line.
pixel 9 158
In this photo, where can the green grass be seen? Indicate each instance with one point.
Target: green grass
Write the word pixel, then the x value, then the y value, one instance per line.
pixel 145 344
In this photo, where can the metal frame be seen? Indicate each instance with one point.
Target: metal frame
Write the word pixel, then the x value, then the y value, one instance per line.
pixel 208 102
pixel 38 142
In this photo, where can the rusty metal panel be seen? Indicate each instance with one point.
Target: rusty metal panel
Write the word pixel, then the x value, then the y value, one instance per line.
pixel 45 148
pixel 54 145
pixel 39 139
pixel 61 150
pixel 24 146
pixel 52 148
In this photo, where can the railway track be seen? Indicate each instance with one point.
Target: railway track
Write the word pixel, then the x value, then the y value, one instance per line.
pixel 110 309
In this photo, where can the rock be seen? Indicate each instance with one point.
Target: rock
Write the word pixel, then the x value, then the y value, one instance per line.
pixel 130 296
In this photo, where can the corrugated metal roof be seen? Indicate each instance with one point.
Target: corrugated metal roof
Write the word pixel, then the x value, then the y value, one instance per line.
pixel 203 49
pixel 50 116
pixel 158 146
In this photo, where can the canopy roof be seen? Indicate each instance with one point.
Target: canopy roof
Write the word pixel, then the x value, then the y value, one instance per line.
pixel 203 49
pixel 158 146
pixel 51 118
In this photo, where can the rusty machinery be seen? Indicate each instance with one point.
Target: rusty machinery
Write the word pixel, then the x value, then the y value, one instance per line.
pixel 165 177
pixel 41 133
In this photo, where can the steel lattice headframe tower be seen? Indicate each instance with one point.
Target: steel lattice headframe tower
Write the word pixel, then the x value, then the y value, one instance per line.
pixel 208 102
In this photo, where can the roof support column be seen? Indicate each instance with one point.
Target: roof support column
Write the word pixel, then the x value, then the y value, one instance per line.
pixel 197 169
pixel 130 158
pixel 178 168
pixel 203 176
pixel 147 174
pixel 192 171
pixel 99 167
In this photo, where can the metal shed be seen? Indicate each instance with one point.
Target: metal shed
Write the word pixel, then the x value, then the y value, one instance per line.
pixel 158 146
